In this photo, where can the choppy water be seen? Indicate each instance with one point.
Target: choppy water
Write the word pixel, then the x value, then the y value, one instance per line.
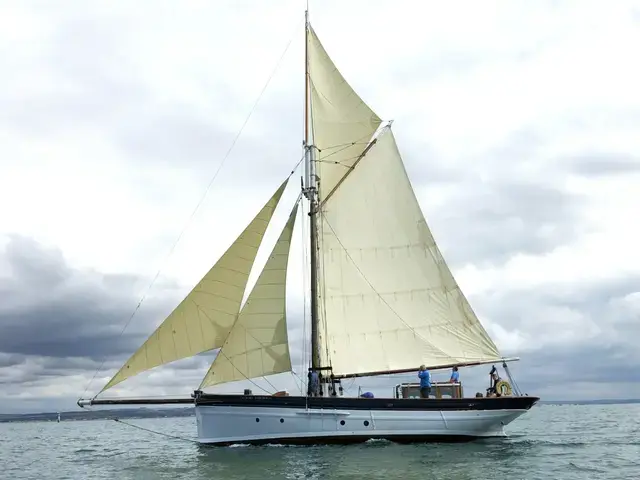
pixel 551 442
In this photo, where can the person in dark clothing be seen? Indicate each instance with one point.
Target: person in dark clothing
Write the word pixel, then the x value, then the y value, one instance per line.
pixel 495 378
pixel 314 384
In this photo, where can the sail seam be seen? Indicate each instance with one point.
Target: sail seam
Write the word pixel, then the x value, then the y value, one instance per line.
pixel 391 330
pixel 212 294
pixel 375 291
pixel 211 320
pixel 341 146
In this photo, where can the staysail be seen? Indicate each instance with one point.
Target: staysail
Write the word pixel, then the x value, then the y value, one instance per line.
pixel 257 344
pixel 388 300
pixel 202 321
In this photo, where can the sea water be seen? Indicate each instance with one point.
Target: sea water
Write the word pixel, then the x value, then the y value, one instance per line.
pixel 550 442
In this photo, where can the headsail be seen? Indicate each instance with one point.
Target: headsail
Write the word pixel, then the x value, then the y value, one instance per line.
pixel 342 123
pixel 257 344
pixel 389 300
pixel 202 321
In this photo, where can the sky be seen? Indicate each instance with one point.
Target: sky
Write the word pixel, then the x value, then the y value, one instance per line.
pixel 517 122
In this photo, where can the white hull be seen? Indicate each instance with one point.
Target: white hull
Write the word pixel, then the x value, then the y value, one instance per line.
pixel 221 424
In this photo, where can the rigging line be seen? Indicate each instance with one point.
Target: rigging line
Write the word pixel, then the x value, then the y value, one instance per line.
pixel 177 437
pixel 206 192
pixel 247 378
pixel 324 159
pixel 305 286
pixel 342 146
pixel 375 291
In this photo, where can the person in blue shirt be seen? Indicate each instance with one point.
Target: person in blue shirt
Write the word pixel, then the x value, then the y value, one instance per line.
pixel 455 378
pixel 455 375
pixel 425 382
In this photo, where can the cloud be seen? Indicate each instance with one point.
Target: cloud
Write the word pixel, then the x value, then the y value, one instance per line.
pixel 52 310
pixel 65 314
pixel 498 218
pixel 518 127
pixel 564 336
pixel 597 164
pixel 61 322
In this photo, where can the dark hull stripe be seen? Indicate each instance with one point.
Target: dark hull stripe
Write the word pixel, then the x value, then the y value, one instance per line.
pixel 350 403
pixel 350 439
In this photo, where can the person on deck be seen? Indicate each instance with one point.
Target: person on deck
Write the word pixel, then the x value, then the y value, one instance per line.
pixel 425 382
pixel 455 375
pixel 314 384
pixel 455 378
pixel 495 378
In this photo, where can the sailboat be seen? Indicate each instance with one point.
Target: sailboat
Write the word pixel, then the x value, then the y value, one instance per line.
pixel 383 301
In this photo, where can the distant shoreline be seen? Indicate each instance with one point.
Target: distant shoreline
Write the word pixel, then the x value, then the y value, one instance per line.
pixel 84 415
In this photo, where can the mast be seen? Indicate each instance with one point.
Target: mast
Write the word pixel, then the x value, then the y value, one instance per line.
pixel 311 192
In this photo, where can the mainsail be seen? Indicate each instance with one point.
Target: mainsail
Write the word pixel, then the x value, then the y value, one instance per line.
pixel 388 300
pixel 258 344
pixel 202 321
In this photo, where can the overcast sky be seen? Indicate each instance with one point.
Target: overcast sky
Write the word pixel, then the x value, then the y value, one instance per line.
pixel 518 122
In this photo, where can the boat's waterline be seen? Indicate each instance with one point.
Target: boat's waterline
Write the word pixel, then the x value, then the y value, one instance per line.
pixel 221 424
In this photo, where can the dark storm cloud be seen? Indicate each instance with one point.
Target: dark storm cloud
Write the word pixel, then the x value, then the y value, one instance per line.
pixel 44 351
pixel 50 309
pixel 57 321
pixel 9 360
pixel 39 369
pixel 606 355
pixel 593 363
